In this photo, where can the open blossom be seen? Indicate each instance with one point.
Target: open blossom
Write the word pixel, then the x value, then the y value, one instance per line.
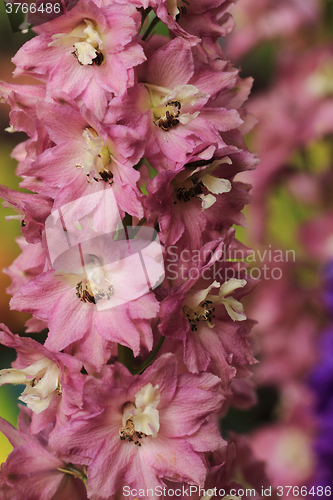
pixel 53 380
pixel 196 200
pixel 88 155
pixel 42 379
pixel 88 52
pixel 198 312
pixel 171 105
pixel 101 300
pixel 149 427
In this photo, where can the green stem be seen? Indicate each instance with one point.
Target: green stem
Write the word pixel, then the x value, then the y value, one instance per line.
pixel 150 358
pixel 150 28
pixel 144 17
pixel 125 356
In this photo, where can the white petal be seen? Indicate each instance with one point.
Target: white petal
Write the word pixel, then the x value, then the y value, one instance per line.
pixel 188 117
pixel 85 52
pixel 38 396
pixel 172 8
pixel 229 286
pixel 36 368
pixel 93 37
pixel 147 421
pixel 12 376
pixel 216 185
pixel 207 200
pixel 235 309
pixel 34 403
pixel 48 383
pixel 10 129
pixel 194 299
pixel 188 94
pixel 148 396
pixel 65 40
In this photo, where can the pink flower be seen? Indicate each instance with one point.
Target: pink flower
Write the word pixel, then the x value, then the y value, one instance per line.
pixel 88 153
pixel 32 471
pixel 198 312
pixel 285 325
pixel 32 211
pixel 29 263
pixel 88 52
pixel 240 461
pixel 127 133
pixel 287 450
pixel 195 201
pixel 172 108
pixel 53 381
pixel 199 18
pixel 95 297
pixel 149 427
pixel 316 235
pixel 23 100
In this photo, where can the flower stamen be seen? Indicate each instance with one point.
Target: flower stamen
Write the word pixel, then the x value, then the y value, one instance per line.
pixel 202 312
pixel 142 418
pixel 89 292
pixel 186 194
pixel 97 161
pixel 170 118
pixel 128 432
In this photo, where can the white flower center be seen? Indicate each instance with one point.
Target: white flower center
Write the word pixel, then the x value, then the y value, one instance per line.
pixel 192 186
pixel 95 287
pixel 42 379
pixel 90 281
pixel 142 418
pixel 86 41
pixel 97 160
pixel 200 305
pixel 168 105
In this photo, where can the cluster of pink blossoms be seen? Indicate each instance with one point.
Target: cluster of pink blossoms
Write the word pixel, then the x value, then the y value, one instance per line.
pixel 134 142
